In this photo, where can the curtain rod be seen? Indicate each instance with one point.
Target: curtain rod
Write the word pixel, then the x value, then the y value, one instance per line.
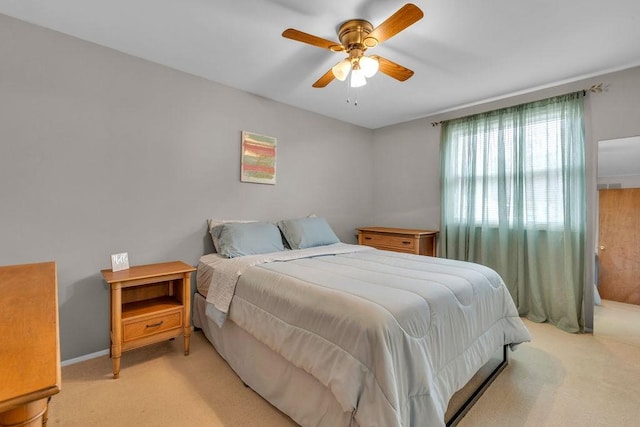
pixel 596 88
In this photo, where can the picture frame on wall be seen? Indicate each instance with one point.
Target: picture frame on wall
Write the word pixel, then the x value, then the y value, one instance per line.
pixel 258 163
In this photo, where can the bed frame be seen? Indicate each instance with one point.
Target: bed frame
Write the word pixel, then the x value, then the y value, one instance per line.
pixel 477 392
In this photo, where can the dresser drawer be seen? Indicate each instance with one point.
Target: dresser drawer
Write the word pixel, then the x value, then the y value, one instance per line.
pixel 132 330
pixel 408 240
pixel 388 241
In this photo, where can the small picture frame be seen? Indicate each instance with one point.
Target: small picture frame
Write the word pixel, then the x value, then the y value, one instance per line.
pixel 120 261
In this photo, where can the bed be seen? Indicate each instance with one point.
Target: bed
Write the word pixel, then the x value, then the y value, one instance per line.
pixel 334 334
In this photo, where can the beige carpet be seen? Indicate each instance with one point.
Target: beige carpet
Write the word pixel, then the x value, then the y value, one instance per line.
pixel 562 379
pixel 618 321
pixel 559 379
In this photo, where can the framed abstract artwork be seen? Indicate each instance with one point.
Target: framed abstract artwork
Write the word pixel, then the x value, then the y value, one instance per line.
pixel 258 163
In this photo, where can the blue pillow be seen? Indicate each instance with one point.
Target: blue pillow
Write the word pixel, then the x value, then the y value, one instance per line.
pixel 251 238
pixel 307 232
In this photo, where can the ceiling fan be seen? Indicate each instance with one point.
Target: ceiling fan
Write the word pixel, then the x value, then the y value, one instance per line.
pixel 356 36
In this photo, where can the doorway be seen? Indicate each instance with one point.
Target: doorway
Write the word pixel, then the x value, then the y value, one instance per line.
pixel 617 235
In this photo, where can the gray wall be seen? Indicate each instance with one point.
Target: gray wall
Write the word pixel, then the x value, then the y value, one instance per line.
pixel 101 153
pixel 626 181
pixel 407 176
pixel 407 156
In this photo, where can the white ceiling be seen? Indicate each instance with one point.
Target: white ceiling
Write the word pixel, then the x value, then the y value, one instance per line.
pixel 462 52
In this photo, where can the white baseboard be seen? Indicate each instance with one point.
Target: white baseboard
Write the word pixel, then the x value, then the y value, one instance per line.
pixel 85 357
pixel 90 356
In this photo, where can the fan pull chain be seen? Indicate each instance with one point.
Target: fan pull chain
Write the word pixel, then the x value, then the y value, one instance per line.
pixel 355 103
pixel 348 90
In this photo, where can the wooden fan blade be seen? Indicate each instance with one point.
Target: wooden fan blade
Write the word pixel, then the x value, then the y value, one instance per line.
pixel 405 16
pixel 392 69
pixel 300 36
pixel 324 80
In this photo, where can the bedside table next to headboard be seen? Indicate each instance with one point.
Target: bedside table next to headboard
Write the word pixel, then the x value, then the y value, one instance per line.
pixel 149 303
pixel 420 242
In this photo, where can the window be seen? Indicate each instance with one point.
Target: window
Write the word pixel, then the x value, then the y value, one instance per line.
pixel 508 170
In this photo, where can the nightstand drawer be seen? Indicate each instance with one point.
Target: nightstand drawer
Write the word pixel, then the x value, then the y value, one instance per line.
pixel 395 242
pixel 151 325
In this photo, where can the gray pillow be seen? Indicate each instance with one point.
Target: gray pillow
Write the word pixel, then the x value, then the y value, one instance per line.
pixel 251 238
pixel 213 223
pixel 307 232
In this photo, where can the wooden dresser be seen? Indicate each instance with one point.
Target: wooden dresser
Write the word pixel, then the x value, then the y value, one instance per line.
pixel 420 242
pixel 29 343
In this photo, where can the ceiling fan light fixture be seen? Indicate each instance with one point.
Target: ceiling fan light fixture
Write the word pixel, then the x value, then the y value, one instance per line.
pixel 356 36
pixel 357 78
pixel 369 66
pixel 341 69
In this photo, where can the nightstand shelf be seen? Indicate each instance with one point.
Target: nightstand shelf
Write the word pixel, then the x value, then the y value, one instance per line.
pixel 149 303
pixel 136 309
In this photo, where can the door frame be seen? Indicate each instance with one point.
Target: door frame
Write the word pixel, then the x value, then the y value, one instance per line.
pixel 591 172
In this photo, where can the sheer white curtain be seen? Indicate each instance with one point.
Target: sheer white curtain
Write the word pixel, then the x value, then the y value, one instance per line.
pixel 513 198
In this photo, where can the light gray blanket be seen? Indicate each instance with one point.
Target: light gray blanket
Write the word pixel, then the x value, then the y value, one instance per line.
pixel 392 335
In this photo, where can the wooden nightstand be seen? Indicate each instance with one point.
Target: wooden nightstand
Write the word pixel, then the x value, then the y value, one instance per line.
pixel 420 242
pixel 149 303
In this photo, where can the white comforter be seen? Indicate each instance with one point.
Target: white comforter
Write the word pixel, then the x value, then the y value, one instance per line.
pixel 392 335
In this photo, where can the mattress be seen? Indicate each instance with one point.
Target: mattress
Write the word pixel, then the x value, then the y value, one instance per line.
pixel 390 336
